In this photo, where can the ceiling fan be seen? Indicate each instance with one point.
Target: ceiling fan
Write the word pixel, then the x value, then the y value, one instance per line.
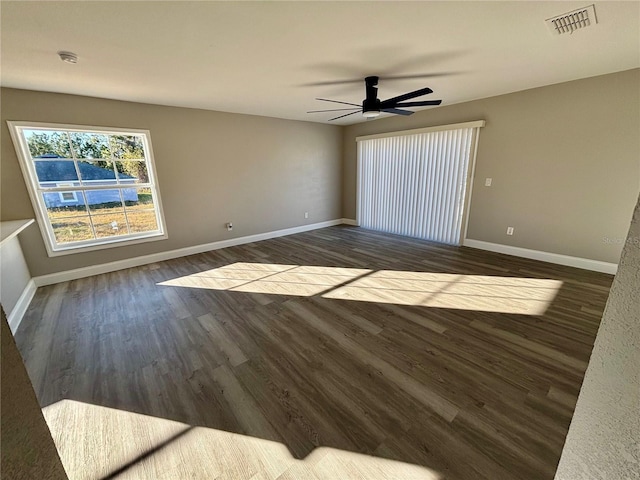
pixel 372 106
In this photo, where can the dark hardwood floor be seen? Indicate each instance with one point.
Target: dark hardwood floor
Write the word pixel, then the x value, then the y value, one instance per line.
pixel 463 361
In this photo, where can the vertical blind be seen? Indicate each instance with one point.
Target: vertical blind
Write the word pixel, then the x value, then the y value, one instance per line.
pixel 416 184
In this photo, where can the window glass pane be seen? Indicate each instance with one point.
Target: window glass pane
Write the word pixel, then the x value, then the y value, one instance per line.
pixel 128 147
pixel 90 145
pixel 58 208
pixel 72 229
pixel 52 172
pixel 142 221
pixel 110 225
pixel 138 198
pixel 132 171
pixel 140 213
pixel 97 173
pixel 104 201
pixel 48 143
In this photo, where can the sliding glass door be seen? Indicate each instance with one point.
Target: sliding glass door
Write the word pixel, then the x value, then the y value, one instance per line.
pixel 417 183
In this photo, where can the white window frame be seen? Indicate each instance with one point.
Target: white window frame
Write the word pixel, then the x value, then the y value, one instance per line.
pixel 27 166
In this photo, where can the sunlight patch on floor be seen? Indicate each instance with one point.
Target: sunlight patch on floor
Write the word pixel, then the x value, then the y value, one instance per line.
pixel 525 296
pixel 274 279
pixel 96 442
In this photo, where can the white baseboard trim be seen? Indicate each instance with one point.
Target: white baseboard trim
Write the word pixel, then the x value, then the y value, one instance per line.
pixel 83 272
pixel 15 317
pixel 577 262
pixel 349 221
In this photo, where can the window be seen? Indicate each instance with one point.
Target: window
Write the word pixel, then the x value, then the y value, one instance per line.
pixel 67 197
pixel 91 187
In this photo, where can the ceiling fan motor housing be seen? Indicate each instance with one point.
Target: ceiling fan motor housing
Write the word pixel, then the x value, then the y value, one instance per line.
pixel 371 106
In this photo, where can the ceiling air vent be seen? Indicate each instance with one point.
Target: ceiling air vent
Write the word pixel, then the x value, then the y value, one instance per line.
pixel 572 21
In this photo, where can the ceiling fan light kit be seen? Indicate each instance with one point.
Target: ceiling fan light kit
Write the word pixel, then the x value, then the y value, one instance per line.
pixel 372 106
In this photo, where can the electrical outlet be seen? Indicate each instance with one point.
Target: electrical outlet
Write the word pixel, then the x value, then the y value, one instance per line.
pixel 229 226
pixel 487 182
pixel 509 230
pixel 306 214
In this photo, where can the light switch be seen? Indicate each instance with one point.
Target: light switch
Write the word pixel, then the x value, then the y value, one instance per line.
pixel 487 182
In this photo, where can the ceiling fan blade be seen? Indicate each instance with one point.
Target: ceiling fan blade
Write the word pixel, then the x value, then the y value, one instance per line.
pixel 337 101
pixel 382 78
pixel 424 103
pixel 407 96
pixel 336 118
pixel 335 110
pixel 417 75
pixel 397 111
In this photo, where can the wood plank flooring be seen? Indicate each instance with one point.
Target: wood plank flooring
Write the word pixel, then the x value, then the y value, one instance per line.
pixel 464 362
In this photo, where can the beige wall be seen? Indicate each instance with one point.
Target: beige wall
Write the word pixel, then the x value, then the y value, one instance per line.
pixel 260 173
pixel 603 440
pixel 564 159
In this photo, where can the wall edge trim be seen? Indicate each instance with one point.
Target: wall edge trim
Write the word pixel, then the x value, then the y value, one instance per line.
pixel 20 308
pixel 578 262
pixel 66 275
pixel 350 221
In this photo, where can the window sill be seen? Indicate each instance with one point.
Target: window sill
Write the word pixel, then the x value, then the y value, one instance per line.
pixel 106 244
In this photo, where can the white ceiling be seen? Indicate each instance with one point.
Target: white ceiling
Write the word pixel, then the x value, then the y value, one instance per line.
pixel 260 57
